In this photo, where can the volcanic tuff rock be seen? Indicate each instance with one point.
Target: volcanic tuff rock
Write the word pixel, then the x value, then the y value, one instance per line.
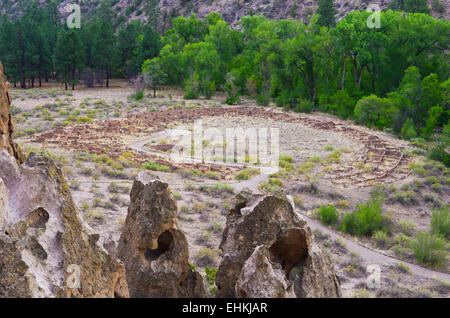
pixel 6 121
pixel 269 251
pixel 46 243
pixel 154 250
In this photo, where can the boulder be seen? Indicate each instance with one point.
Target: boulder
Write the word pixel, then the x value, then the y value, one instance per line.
pixel 47 250
pixel 153 249
pixel 269 251
pixel 261 278
pixel 6 121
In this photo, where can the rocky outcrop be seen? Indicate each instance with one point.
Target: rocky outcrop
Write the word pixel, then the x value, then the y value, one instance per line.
pixel 6 121
pixel 47 250
pixel 154 251
pixel 269 251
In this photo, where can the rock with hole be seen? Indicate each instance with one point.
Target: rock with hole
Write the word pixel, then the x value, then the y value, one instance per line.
pixel 154 250
pixel 47 250
pixel 269 251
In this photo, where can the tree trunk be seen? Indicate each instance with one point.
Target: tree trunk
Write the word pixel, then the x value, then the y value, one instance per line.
pixel 343 72
pixel 374 72
pixel 418 107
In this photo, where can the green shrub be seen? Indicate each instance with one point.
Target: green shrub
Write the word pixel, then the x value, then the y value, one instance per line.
pixel 436 187
pixel 247 173
pixel 407 227
pixel 210 279
pixel 218 189
pixel 138 96
pixel 438 153
pixel 287 158
pixel 429 249
pixel 286 165
pixel 275 182
pixel 380 237
pixel 335 157
pixel 417 169
pixel 328 215
pixel 440 223
pixel 304 106
pixel 262 100
pixel 405 197
pixel 366 219
pixel 155 166
pixel 408 131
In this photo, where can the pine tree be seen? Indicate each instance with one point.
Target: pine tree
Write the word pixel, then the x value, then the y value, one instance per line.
pixel 69 56
pixel 327 13
pixel 149 46
pixel 104 49
pixel 413 6
pixel 153 13
pixel 127 46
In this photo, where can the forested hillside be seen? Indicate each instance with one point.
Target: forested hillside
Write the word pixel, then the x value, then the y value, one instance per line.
pixel 160 12
pixel 394 77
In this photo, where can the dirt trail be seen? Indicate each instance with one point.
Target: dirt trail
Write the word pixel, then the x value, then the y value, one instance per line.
pixel 373 256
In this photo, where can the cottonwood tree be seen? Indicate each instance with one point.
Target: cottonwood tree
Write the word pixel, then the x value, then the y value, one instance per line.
pixel 154 74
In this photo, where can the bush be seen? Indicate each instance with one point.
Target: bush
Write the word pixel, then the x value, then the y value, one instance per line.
pixel 262 100
pixel 408 131
pixel 440 223
pixel 380 237
pixel 438 153
pixel 247 173
pixel 407 227
pixel 335 157
pixel 328 215
pixel 155 166
pixel 429 249
pixel 374 111
pixel 287 158
pixel 206 257
pixel 366 219
pixel 304 106
pixel 275 182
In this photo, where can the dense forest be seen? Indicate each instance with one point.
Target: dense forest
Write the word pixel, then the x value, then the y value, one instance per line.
pixel 394 77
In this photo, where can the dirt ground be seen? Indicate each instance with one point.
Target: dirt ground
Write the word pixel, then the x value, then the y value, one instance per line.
pixel 93 133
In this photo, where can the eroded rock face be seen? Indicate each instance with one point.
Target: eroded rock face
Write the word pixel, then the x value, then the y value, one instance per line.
pixel 154 251
pixel 6 122
pixel 4 209
pixel 47 249
pixel 269 251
